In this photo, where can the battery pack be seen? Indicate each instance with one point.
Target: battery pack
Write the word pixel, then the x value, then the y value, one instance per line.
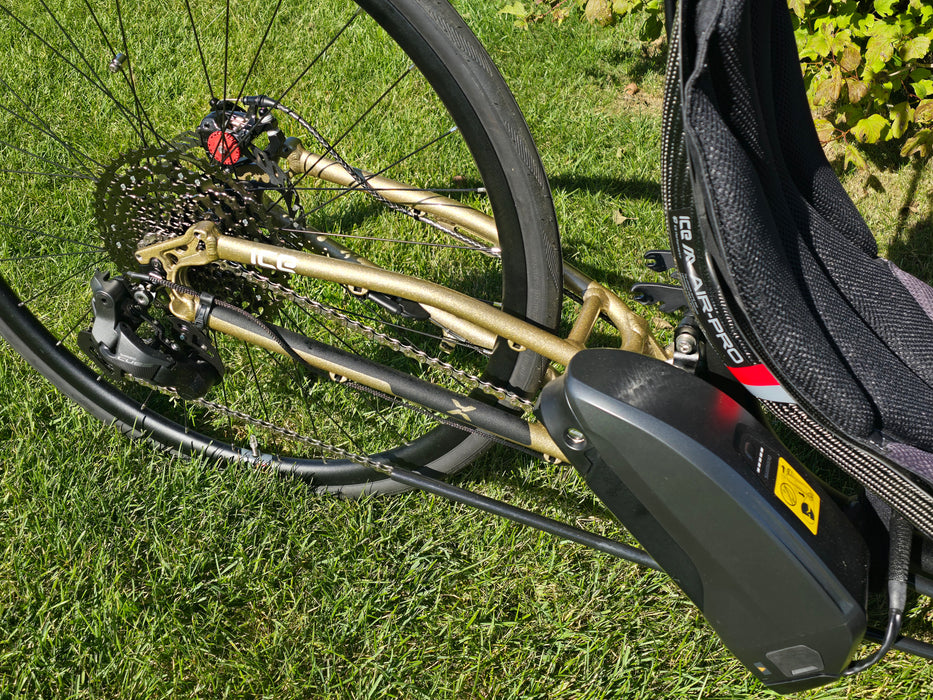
pixel 752 537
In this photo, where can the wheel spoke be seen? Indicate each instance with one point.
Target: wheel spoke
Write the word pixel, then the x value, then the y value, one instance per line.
pixel 82 321
pixel 314 61
pixel 71 174
pixel 356 123
pixel 85 269
pixel 197 41
pixel 42 127
pixel 262 43
pixel 45 234
pixel 364 186
pixel 131 118
pixel 226 46
pixel 263 403
pixel 130 79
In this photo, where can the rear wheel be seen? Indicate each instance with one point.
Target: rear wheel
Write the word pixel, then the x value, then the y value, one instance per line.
pixel 160 117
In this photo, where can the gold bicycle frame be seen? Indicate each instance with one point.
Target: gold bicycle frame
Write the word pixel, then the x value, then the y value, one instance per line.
pixel 597 300
pixel 468 318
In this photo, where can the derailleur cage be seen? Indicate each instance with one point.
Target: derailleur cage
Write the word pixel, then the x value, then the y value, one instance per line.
pixel 126 339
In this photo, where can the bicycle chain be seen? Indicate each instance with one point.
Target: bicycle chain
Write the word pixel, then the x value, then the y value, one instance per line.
pixel 334 450
pixel 281 291
pixel 473 381
pixel 362 184
pixel 278 290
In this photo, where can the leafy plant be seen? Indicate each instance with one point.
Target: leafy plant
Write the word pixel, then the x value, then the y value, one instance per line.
pixel 868 72
pixel 867 64
pixel 527 13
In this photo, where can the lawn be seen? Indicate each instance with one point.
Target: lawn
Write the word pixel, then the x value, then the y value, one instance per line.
pixel 127 572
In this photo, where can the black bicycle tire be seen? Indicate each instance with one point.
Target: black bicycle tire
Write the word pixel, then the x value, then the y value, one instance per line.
pixel 461 73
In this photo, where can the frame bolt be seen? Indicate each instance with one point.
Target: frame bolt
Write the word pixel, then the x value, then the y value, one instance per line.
pixel 575 438
pixel 686 344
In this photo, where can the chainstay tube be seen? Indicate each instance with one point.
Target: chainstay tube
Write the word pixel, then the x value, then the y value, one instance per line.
pixel 341 365
pixel 273 338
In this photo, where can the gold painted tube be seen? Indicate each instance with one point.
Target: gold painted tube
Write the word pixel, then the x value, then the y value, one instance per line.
pixel 437 206
pixel 388 282
pixel 633 329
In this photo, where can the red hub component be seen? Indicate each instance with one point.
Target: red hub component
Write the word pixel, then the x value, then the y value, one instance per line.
pixel 223 147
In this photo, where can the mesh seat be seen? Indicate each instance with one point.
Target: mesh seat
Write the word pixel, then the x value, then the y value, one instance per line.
pixel 848 334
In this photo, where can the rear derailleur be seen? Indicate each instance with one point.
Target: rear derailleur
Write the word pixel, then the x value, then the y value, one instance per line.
pixel 127 338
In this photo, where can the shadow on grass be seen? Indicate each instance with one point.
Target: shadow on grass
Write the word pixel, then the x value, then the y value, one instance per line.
pixel 504 469
pixel 607 278
pixel 620 66
pixel 911 249
pixel 646 190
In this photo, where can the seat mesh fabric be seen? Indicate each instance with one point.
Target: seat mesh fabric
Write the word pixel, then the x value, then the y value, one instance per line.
pixel 845 329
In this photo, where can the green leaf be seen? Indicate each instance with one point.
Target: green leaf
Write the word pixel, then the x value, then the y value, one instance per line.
pixel 824 129
pixel 924 112
pixel 879 91
pixel 901 116
pixel 817 46
pixel 798 6
pixel 516 9
pixel 829 89
pixel 623 7
pixel 923 7
pixel 599 12
pixel 853 157
pixel 885 8
pixel 652 29
pixel 923 88
pixel 880 47
pixel 916 48
pixel 920 143
pixel 845 14
pixel 871 129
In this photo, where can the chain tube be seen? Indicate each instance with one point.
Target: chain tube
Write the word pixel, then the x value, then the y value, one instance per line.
pixel 334 450
pixel 445 421
pixel 281 291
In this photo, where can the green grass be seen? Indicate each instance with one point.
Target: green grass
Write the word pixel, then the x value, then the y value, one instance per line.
pixel 125 572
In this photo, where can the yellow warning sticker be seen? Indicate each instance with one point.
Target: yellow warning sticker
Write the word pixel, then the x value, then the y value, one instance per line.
pixel 797 495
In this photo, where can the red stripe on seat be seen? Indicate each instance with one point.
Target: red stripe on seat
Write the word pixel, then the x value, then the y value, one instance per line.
pixel 756 375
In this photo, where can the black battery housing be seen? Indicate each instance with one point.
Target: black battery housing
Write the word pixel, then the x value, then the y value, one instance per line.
pixel 754 539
